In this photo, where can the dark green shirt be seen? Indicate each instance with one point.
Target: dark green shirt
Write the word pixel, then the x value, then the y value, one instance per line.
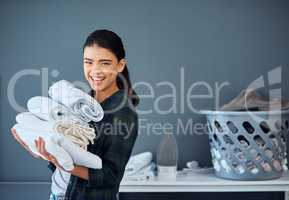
pixel 115 138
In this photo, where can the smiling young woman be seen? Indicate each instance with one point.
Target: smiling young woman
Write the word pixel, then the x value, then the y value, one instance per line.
pixel 106 71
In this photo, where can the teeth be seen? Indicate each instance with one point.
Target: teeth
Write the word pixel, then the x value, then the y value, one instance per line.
pixel 97 78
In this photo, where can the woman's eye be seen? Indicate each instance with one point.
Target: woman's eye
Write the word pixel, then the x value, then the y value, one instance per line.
pixel 105 63
pixel 89 63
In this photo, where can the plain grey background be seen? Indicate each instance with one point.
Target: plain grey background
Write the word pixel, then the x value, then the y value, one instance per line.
pixel 213 41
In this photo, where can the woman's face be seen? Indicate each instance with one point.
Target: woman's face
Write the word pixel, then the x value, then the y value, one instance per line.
pixel 101 67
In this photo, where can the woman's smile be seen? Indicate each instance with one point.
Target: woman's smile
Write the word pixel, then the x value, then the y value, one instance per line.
pixel 97 80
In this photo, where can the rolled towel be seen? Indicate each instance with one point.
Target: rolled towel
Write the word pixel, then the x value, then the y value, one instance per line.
pixel 67 149
pixel 193 167
pixel 78 133
pixel 51 145
pixel 86 107
pixel 137 162
pixel 49 110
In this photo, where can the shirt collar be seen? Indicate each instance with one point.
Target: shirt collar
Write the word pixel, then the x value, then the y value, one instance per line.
pixel 118 98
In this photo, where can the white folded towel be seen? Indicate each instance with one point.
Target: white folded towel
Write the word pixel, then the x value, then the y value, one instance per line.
pixel 78 133
pixel 65 151
pixel 138 162
pixel 48 109
pixel 86 107
pixel 29 136
pixel 80 156
pixel 146 172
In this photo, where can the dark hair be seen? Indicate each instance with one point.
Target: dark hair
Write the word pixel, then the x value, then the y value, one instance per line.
pixel 111 41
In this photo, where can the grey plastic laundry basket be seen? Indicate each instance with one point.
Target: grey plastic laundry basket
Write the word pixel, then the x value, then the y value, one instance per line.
pixel 248 145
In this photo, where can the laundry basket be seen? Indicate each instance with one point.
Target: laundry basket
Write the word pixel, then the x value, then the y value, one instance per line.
pixel 248 145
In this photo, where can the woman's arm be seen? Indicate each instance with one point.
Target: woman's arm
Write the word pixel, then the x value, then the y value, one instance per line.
pixel 80 171
pixel 50 165
pixel 119 147
pixel 118 144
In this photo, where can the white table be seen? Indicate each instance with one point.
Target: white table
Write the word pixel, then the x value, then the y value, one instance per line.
pixel 195 183
pixel 206 183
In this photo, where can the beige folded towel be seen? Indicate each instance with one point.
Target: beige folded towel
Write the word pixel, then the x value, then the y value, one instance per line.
pixel 251 100
pixel 77 133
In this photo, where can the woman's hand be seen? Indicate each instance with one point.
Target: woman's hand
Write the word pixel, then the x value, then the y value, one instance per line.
pixel 17 138
pixel 40 145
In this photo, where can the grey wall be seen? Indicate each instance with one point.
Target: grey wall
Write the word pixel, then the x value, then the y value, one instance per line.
pixel 214 41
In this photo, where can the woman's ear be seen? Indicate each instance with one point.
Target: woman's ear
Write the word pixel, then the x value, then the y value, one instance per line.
pixel 121 65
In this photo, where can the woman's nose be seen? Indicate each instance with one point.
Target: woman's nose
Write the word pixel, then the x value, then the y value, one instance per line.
pixel 95 71
pixel 96 68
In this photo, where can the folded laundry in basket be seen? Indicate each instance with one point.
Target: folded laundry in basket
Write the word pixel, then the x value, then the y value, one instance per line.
pixel 251 100
pixel 78 133
pixel 82 104
pixel 65 151
pixel 138 162
pixel 48 109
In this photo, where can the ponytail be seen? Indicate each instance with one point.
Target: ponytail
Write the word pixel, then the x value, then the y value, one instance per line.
pixel 123 82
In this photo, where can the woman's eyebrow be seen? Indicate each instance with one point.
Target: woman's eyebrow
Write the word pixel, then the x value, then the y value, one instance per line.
pixel 88 59
pixel 104 60
pixel 100 60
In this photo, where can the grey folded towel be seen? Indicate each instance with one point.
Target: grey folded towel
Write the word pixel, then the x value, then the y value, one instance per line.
pixel 251 100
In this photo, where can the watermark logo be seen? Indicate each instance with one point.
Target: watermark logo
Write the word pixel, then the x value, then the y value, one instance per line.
pixel 178 99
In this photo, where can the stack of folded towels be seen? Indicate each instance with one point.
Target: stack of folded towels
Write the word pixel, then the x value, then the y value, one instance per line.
pixel 140 167
pixel 62 121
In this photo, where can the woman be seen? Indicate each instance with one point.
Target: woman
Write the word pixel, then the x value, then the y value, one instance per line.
pixel 106 71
